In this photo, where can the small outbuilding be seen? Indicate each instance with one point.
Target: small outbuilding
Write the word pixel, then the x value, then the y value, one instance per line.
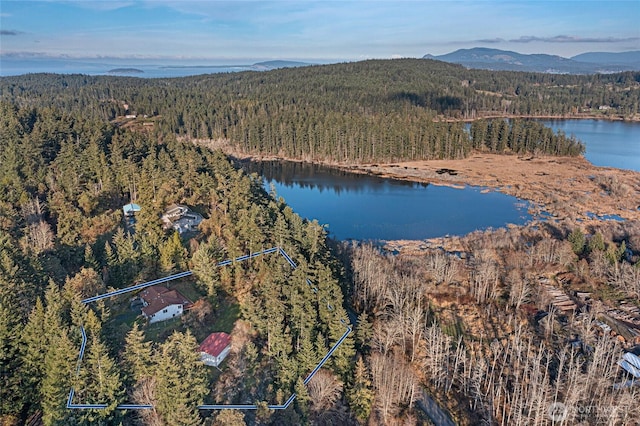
pixel 215 348
pixel 631 363
pixel 130 211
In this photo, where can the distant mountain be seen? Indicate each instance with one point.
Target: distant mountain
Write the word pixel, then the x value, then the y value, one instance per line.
pixel 631 58
pixel 504 60
pixel 271 65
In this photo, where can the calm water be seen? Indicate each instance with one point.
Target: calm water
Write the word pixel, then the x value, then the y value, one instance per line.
pixel 608 143
pixel 149 70
pixel 367 207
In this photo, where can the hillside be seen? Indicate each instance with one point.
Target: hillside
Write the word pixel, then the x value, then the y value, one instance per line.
pixel 504 60
pixel 63 238
pixel 384 110
pixel 631 58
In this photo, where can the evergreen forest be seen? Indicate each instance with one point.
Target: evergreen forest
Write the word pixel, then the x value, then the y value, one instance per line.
pixel 64 181
pixel 472 331
pixel 379 110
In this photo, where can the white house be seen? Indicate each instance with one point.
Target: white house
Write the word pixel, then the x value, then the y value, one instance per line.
pixel 181 218
pixel 215 348
pixel 160 304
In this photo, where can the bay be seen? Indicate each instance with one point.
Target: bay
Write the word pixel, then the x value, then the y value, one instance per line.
pixel 608 143
pixel 364 207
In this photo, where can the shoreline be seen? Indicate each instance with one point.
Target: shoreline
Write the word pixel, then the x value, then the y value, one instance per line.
pixel 567 189
pixel 586 116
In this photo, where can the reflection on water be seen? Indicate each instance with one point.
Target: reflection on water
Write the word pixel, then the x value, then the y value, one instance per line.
pixel 363 207
pixel 317 177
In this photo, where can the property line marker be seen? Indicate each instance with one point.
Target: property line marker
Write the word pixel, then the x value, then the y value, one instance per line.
pixel 72 406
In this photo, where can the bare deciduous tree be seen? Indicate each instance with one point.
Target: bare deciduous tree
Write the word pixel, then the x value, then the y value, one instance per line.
pixel 324 390
pixel 144 393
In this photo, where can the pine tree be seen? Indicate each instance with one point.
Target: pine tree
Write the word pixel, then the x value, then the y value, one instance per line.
pixel 181 380
pixel 59 363
pixel 360 394
pixel 137 354
pixel 99 383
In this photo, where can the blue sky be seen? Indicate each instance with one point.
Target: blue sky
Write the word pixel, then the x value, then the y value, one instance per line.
pixel 308 30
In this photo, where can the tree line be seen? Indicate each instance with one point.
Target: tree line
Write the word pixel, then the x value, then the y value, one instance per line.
pixel 522 137
pixel 353 112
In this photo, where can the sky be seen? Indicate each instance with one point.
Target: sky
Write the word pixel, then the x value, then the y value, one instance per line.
pixel 311 30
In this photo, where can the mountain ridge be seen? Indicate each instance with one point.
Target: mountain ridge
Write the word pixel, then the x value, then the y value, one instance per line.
pixel 506 60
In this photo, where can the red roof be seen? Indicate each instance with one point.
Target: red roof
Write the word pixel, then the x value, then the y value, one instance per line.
pixel 215 343
pixel 158 298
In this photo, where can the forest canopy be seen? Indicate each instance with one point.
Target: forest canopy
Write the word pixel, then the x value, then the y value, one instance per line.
pixel 378 110
pixel 64 181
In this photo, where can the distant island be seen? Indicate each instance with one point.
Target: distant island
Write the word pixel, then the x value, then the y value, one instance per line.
pixel 258 66
pixel 270 65
pixel 125 71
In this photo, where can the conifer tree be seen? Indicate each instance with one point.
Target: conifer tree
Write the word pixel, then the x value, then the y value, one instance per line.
pixel 34 348
pixel 11 394
pixel 360 394
pixel 90 260
pixel 302 400
pixel 137 354
pixel 181 380
pixel 364 332
pixel 577 240
pixel 58 376
pixel 99 383
pixel 113 265
pixel 204 265
pixel 596 242
pixel 172 254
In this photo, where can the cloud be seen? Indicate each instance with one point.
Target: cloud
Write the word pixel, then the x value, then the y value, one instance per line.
pixel 10 32
pixel 490 40
pixel 573 39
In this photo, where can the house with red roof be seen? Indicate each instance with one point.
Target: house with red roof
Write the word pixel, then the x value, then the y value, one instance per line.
pixel 215 348
pixel 160 303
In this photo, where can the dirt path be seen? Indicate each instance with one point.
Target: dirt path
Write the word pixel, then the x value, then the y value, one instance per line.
pixel 438 416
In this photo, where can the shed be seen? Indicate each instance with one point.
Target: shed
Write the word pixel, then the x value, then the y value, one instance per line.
pixel 130 209
pixel 215 348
